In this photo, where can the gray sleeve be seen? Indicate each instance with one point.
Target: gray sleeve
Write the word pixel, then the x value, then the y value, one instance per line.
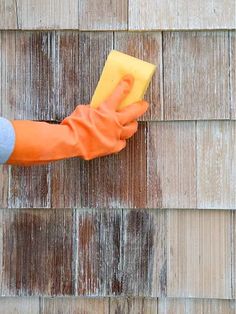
pixel 7 140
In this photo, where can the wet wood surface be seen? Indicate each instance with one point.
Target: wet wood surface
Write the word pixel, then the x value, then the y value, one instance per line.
pixel 36 252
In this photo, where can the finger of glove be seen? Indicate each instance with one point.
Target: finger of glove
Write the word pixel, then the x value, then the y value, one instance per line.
pixel 129 130
pixel 132 112
pixel 120 92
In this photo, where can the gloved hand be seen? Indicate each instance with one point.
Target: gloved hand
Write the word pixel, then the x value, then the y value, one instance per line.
pixel 87 133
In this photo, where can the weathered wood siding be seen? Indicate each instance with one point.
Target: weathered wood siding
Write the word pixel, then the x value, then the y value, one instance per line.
pixel 150 230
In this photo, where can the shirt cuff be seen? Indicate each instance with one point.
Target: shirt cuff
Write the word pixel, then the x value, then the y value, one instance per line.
pixel 7 140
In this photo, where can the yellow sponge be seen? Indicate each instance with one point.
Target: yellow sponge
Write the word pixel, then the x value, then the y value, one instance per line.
pixel 117 65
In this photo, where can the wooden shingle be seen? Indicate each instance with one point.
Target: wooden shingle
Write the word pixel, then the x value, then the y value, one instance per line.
pixel 199 254
pixel 19 305
pixel 4 185
pixel 103 15
pixel 30 187
pixel 171 164
pixel 196 75
pixel 133 306
pixel 36 254
pixel 72 305
pixel 196 306
pixel 181 14
pixel 216 160
pixel 8 14
pixel 47 14
pixel 121 253
pixel 233 73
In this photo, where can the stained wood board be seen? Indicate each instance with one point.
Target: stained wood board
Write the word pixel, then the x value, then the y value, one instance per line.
pixel 36 252
pixel 121 252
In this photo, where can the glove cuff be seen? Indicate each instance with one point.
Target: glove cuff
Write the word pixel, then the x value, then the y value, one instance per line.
pixel 7 140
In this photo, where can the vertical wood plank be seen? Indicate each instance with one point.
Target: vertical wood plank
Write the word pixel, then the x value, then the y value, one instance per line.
pixel 181 14
pixel 4 185
pixel 148 47
pixel 232 35
pixel 144 246
pixel 19 305
pixel 117 181
pixel 48 14
pixel 8 14
pixel 199 254
pixel 171 163
pixel 216 159
pixel 95 15
pixel 30 187
pixel 36 252
pixel 72 305
pixel 121 253
pixel 196 75
pixel 133 306
pixel 196 306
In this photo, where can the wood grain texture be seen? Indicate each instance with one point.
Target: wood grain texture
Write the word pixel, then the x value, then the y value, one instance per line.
pixel 196 75
pixel 233 231
pixel 19 305
pixel 8 14
pixel 4 185
pixel 36 252
pixel 199 254
pixel 44 75
pixel 121 253
pixel 171 164
pixel 48 14
pixel 196 306
pixel 116 181
pixel 103 15
pixel 133 306
pixel 148 47
pixel 74 305
pixel 232 35
pixel 94 48
pixel 30 187
pixel 28 75
pixel 181 14
pixel 216 160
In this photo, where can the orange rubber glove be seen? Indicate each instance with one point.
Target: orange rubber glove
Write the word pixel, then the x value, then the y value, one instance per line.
pixel 87 133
